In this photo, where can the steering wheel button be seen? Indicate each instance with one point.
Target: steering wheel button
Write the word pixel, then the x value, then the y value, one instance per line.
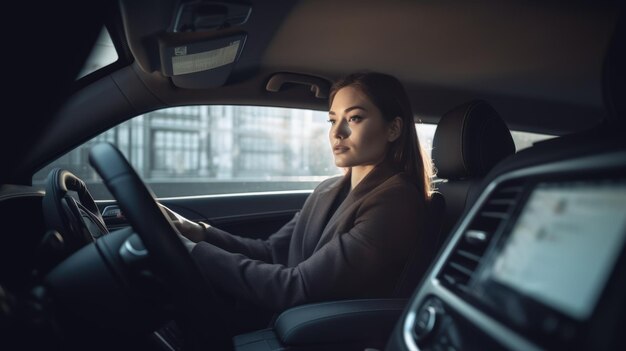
pixel 422 321
pixel 425 322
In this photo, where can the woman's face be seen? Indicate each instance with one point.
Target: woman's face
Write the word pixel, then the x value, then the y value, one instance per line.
pixel 358 133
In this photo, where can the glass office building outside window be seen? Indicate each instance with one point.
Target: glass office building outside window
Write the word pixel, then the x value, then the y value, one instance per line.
pixel 200 150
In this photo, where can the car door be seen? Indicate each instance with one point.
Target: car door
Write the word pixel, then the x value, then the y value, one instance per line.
pixel 253 215
pixel 244 169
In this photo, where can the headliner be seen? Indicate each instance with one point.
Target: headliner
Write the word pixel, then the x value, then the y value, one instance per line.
pixel 538 62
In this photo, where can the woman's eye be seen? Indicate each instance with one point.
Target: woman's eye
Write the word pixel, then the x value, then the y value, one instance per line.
pixel 355 119
pixel 331 121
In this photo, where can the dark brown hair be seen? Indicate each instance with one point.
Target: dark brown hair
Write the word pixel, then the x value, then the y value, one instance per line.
pixel 388 95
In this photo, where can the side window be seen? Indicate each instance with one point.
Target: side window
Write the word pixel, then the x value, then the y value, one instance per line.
pixel 102 54
pixel 199 150
pixel 522 140
pixel 525 140
pixel 202 150
pixel 425 134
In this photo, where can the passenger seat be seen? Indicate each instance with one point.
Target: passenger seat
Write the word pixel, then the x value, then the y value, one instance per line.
pixel 469 141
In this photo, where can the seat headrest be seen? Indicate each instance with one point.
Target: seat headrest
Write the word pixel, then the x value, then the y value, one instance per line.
pixel 470 139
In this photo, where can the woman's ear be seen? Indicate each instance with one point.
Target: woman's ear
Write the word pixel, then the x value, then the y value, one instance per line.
pixel 395 129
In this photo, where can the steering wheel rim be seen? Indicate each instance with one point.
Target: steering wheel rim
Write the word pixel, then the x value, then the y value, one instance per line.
pixel 193 297
pixel 63 213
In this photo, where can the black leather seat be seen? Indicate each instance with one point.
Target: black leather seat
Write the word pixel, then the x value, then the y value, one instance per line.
pixel 469 141
pixel 424 254
pixel 350 324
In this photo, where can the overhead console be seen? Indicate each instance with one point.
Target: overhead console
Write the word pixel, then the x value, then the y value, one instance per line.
pixel 538 263
pixel 201 44
pixel 204 61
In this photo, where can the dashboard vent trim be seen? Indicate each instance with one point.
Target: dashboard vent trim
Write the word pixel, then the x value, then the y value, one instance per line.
pixel 459 267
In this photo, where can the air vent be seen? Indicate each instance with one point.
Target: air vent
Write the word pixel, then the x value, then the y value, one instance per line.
pixel 460 266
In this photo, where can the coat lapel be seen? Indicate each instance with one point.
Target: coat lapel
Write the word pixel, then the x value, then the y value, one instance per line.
pixel 377 176
pixel 320 210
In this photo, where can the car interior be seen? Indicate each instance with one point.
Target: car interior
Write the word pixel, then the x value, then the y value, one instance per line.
pixel 528 246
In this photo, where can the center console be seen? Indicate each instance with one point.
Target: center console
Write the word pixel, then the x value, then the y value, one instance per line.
pixel 538 263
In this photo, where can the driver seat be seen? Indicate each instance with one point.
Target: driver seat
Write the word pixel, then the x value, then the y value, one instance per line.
pixel 470 139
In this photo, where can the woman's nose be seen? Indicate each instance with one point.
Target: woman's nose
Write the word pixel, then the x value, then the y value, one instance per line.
pixel 341 130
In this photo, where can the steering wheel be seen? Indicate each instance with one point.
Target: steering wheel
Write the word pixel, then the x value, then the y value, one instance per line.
pixel 197 304
pixel 78 222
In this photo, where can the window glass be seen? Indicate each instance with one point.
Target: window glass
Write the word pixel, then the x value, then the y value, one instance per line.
pixel 524 140
pixel 425 134
pixel 102 54
pixel 200 150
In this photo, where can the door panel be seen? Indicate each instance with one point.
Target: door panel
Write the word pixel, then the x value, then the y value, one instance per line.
pixel 254 215
pixel 256 226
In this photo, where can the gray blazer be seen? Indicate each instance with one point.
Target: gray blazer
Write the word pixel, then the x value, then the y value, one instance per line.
pixel 359 253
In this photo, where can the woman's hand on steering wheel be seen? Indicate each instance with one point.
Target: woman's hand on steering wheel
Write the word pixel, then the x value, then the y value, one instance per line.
pixel 194 231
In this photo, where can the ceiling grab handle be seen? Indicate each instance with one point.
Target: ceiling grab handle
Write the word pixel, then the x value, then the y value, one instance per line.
pixel 319 86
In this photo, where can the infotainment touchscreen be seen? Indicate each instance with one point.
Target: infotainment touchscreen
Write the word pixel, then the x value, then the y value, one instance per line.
pixel 563 246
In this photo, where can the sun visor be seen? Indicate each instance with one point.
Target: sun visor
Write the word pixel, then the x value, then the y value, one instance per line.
pixel 203 64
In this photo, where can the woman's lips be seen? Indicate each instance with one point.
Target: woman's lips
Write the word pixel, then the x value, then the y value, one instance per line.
pixel 340 149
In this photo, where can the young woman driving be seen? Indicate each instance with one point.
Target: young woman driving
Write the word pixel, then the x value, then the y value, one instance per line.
pixel 354 233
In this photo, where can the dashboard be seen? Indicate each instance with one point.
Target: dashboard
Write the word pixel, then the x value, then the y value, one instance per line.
pixel 28 249
pixel 21 231
pixel 537 263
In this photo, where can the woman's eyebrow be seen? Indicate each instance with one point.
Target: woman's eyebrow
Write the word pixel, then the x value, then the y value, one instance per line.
pixel 348 109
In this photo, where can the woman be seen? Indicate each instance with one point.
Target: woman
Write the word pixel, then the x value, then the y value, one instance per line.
pixel 354 233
